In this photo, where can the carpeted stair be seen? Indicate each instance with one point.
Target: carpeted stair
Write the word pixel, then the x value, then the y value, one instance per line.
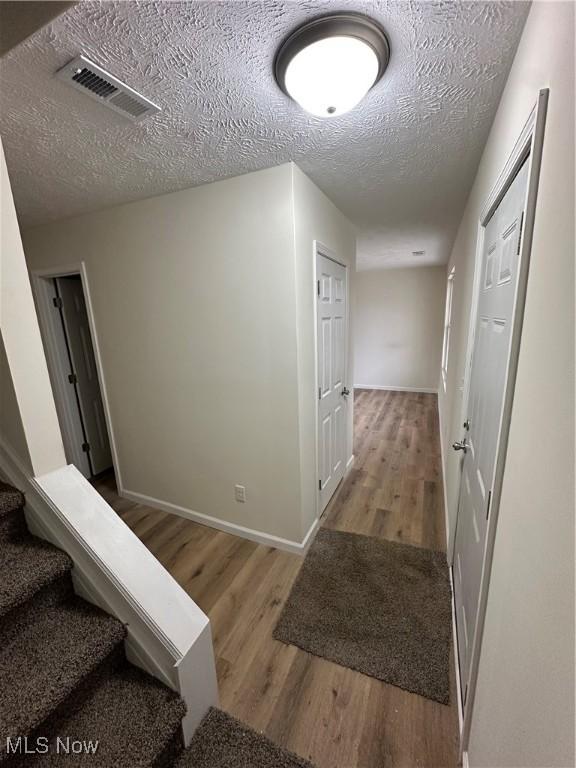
pixel 64 677
pixel 221 741
pixel 62 665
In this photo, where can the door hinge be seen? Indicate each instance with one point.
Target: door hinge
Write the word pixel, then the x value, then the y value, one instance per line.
pixel 318 287
pixel 319 485
pixel 520 233
pixel 72 378
pixel 465 694
pixel 57 301
pixel 488 505
pixel 319 393
pixel 86 447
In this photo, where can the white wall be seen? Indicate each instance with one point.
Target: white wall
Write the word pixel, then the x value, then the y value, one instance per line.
pixel 316 218
pixel 524 709
pixel 398 327
pixel 11 427
pixel 28 420
pixel 194 295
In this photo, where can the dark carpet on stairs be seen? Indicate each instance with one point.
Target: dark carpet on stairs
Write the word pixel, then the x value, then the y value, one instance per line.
pixel 132 716
pixel 64 675
pixel 223 742
pixel 376 606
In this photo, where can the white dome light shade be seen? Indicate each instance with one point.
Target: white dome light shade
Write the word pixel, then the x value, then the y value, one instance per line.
pixel 330 76
pixel 329 63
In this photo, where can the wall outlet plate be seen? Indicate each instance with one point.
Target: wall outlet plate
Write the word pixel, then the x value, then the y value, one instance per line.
pixel 240 493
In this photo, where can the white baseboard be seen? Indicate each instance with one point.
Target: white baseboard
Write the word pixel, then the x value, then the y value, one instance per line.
pixel 309 538
pixel 268 539
pixel 465 761
pixel 349 464
pixel 456 659
pixel 428 390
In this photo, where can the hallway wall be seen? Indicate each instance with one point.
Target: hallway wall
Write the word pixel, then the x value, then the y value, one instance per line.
pixel 398 329
pixel 524 709
pixel 195 303
pixel 196 332
pixel 11 427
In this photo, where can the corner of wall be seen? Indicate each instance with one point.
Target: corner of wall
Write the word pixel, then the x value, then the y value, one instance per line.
pixel 23 353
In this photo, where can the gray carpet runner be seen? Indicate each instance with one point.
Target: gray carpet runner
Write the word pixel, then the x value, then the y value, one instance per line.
pixel 379 607
pixel 64 679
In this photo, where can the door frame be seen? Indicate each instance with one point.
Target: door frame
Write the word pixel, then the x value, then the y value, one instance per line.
pixel 319 249
pixel 528 147
pixel 58 368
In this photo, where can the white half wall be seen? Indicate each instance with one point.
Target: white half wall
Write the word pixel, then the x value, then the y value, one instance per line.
pixel 398 328
pixel 524 707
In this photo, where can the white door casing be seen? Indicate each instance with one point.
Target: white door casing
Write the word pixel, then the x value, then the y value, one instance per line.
pixel 489 368
pixel 332 330
pixel 79 340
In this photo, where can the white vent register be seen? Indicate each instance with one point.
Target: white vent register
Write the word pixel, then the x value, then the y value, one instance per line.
pixel 85 76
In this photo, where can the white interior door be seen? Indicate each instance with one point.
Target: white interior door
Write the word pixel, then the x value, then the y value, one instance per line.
pixel 332 392
pixel 492 337
pixel 84 374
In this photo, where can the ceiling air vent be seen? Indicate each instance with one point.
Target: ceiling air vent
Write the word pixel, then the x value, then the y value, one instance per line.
pixel 85 76
pixel 418 253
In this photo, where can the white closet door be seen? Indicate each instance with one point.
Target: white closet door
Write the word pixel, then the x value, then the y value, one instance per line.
pixel 497 292
pixel 332 335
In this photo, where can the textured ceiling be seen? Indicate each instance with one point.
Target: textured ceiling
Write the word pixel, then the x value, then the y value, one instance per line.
pixel 19 20
pixel 400 165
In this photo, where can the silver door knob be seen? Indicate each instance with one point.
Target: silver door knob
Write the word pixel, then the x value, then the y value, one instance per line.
pixel 460 446
pixel 345 391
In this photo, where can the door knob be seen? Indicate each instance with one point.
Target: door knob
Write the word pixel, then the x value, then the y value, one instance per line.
pixel 345 392
pixel 460 446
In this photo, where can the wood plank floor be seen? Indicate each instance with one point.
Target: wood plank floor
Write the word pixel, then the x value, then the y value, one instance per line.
pixel 331 715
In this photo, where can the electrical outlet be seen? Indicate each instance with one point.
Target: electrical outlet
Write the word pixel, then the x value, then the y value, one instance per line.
pixel 240 493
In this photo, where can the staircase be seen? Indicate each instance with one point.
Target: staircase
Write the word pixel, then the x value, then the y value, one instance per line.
pixel 68 694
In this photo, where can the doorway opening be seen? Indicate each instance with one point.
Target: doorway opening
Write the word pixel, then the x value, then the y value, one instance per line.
pixel 73 364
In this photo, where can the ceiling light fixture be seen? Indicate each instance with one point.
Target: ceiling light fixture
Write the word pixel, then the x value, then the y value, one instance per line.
pixel 329 64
